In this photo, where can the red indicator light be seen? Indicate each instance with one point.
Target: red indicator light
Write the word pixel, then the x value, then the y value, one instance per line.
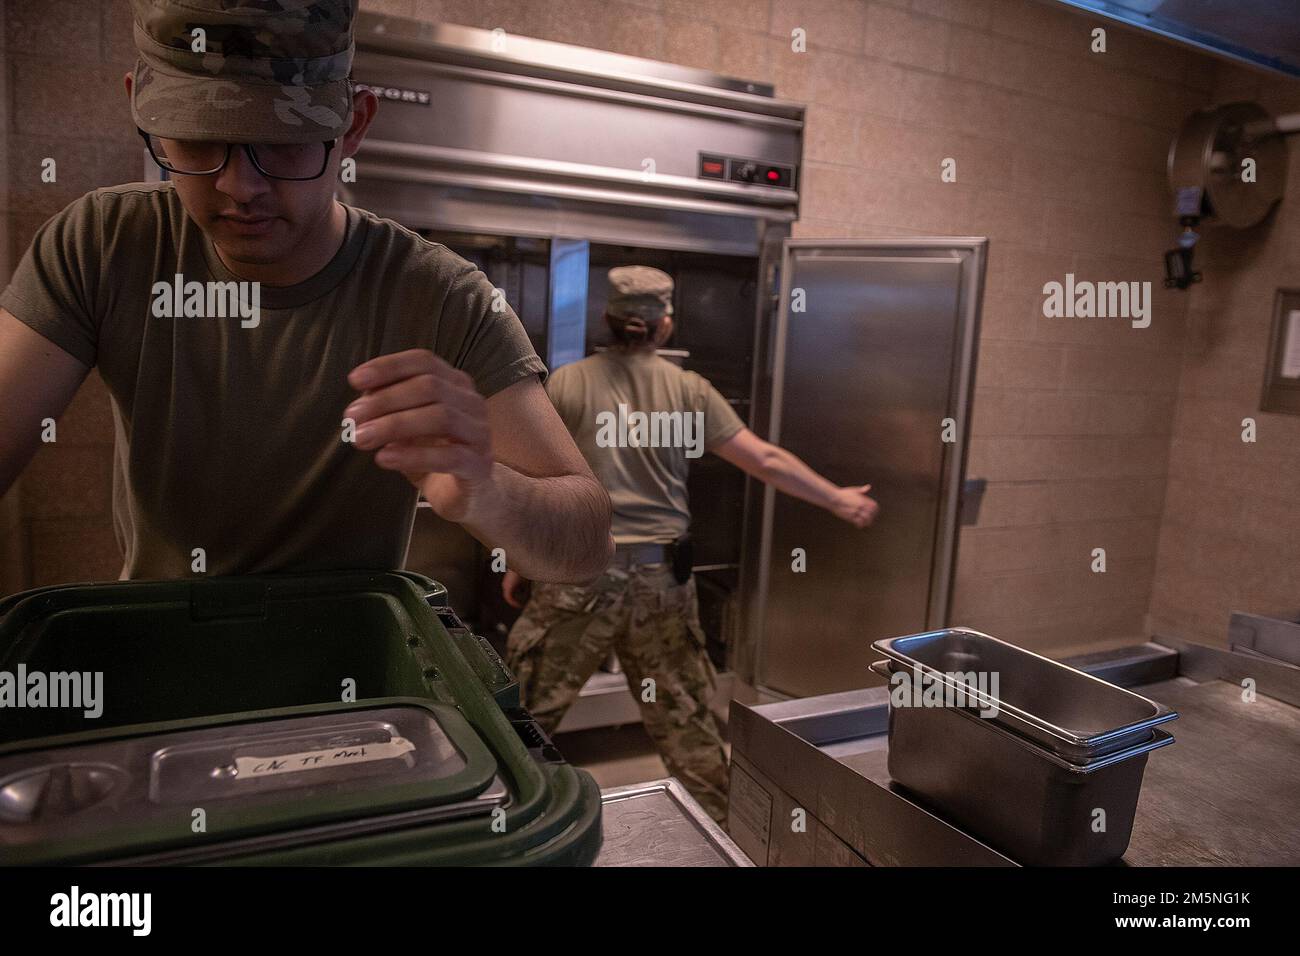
pixel 713 167
pixel 773 175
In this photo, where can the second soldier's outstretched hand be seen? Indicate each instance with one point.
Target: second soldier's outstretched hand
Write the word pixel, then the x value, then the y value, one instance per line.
pixel 854 505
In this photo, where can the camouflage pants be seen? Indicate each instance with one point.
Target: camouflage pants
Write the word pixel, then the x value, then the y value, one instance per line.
pixel 566 632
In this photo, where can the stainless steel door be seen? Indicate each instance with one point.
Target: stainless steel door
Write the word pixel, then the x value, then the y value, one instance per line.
pixel 874 349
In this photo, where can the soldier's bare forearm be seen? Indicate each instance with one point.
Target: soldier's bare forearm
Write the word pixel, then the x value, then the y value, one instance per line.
pixel 788 473
pixel 553 529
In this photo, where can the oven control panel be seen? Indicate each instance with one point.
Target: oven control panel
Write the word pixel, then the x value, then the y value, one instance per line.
pixel 754 172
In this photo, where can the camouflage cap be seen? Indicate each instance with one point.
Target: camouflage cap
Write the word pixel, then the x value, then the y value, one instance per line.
pixel 639 292
pixel 268 71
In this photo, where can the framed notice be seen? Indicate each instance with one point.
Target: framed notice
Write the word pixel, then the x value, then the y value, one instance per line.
pixel 1282 375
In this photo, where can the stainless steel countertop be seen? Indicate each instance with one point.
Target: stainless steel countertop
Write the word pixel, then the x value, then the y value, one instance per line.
pixel 660 824
pixel 1227 793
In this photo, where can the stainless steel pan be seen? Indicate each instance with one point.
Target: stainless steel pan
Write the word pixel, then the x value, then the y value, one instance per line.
pixel 1012 792
pixel 1074 715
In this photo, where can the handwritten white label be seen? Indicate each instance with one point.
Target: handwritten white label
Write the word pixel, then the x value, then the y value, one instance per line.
pixel 1291 346
pixel 320 759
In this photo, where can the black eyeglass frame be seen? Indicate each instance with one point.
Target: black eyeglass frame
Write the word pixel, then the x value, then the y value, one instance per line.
pixel 252 156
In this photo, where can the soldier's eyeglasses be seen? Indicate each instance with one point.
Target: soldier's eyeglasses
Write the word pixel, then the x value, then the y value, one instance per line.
pixel 291 161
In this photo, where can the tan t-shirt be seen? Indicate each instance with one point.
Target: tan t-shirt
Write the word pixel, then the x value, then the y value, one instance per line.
pixel 642 458
pixel 229 438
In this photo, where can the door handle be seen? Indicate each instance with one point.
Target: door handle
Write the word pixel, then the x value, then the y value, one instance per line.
pixel 972 495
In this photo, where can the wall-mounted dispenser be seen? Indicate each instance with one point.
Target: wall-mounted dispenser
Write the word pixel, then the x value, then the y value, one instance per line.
pixel 1228 166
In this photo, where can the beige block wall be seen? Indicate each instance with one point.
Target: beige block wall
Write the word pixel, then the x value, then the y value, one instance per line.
pixel 13 530
pixel 78 117
pixel 1230 534
pixel 1060 159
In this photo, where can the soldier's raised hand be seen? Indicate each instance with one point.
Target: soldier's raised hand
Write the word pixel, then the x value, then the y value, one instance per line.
pixel 428 421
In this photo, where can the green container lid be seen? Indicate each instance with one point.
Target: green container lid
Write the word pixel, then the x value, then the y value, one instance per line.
pixel 343 717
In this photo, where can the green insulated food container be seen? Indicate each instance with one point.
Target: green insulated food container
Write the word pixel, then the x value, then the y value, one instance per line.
pixel 332 718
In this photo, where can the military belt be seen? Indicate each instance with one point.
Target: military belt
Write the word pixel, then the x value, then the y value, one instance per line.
pixel 632 555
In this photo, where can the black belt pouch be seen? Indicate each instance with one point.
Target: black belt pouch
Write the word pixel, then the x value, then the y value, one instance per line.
pixel 683 558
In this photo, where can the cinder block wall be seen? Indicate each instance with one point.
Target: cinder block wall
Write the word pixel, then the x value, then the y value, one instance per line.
pixel 78 117
pixel 13 531
pixel 14 566
pixel 1060 161
pixel 1230 537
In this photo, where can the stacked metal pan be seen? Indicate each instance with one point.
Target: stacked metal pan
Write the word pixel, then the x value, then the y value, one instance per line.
pixel 1041 761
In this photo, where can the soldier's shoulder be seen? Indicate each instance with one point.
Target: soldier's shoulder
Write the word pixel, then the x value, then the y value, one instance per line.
pixel 408 247
pixel 595 362
pixel 128 199
pixel 581 370
pixel 690 379
pixel 154 196
pixel 133 211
